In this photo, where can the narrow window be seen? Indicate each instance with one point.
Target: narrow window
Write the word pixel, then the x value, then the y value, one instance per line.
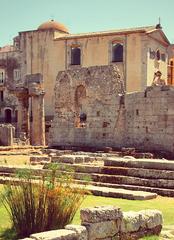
pixel 75 56
pixel 1 96
pixel 147 130
pixel 158 55
pixel 1 77
pixel 117 52
pixel 137 112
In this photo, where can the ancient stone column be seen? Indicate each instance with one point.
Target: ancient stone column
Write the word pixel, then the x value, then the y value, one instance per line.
pixel 38 120
pixel 37 115
pixel 23 124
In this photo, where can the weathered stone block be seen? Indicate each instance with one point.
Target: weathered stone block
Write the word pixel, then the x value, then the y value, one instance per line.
pixel 79 159
pixel 131 221
pixel 99 214
pixel 61 234
pixel 151 218
pixel 80 230
pixel 102 230
pixel 39 159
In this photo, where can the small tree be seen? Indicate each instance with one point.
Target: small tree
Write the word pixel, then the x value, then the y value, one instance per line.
pixel 41 205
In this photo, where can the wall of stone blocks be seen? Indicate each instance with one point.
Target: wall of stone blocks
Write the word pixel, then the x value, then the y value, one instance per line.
pixel 141 119
pixel 108 223
pixel 150 119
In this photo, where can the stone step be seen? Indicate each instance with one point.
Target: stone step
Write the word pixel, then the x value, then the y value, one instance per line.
pixel 159 191
pixel 158 164
pixel 106 178
pixel 125 171
pixel 119 193
pixel 102 191
pixel 160 186
pixel 128 180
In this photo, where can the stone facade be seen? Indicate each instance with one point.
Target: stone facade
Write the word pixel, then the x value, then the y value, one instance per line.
pixel 108 223
pixel 141 119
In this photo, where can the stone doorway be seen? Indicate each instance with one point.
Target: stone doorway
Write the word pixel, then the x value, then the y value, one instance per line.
pixel 8 116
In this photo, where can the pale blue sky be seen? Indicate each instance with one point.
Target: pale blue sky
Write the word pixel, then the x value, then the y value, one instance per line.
pixel 84 15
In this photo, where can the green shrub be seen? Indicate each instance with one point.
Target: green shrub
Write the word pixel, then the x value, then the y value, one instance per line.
pixel 41 205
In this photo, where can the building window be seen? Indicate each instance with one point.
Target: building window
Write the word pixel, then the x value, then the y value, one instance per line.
pixel 2 77
pixel 75 56
pixel 117 52
pixel 16 74
pixel 1 96
pixel 158 55
pixel 163 57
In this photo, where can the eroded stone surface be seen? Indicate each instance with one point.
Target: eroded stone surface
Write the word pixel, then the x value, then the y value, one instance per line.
pixel 80 230
pixel 61 234
pixel 102 230
pixel 99 214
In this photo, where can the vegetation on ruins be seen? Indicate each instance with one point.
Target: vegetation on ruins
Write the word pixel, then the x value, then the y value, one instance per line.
pixel 37 205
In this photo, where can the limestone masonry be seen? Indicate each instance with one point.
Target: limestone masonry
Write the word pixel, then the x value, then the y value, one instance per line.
pixel 94 111
pixel 108 223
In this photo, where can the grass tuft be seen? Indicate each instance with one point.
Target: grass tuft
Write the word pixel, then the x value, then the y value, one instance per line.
pixel 41 206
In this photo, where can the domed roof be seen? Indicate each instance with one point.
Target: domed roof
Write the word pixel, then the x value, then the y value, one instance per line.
pixel 53 25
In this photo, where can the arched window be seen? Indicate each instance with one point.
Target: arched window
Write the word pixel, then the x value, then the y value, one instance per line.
pixel 117 52
pixel 75 56
pixel 8 116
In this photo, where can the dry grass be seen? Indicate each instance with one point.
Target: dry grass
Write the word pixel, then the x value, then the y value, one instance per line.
pixel 14 160
pixel 49 204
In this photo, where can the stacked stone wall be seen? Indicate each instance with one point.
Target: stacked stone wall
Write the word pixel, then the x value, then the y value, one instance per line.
pixel 150 119
pixel 108 223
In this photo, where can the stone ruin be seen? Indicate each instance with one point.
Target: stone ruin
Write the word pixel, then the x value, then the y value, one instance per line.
pixel 29 125
pixel 92 110
pixel 108 223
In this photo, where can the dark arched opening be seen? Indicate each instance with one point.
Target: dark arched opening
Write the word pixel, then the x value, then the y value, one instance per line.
pixel 75 56
pixel 8 116
pixel 117 52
